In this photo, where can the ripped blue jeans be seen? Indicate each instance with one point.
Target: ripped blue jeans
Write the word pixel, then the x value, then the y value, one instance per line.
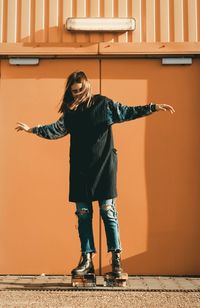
pixel 84 212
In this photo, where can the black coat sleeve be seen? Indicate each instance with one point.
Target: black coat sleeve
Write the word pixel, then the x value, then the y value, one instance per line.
pixel 52 131
pixel 117 113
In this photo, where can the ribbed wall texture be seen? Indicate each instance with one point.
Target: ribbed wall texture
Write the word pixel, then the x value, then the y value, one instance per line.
pixel 43 21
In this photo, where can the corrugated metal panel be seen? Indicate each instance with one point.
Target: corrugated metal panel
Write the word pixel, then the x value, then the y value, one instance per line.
pixel 24 31
pixel 164 21
pixel 43 21
pixel 178 21
pixel 192 22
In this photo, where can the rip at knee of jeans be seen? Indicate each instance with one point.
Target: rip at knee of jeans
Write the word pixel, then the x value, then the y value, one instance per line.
pixel 107 211
pixel 106 207
pixel 82 213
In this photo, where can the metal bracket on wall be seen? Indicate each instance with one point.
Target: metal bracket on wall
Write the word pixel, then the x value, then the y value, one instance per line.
pixel 176 61
pixel 24 61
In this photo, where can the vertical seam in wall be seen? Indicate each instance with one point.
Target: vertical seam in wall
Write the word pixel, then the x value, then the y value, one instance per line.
pixel 60 19
pixel 14 40
pixel 101 8
pixel 143 16
pixel 74 13
pixel 129 10
pixel 32 21
pixel 171 21
pixel 100 221
pixel 46 21
pixel 115 14
pixel 88 13
pixel 19 13
pixel 5 21
pixel 185 21
pixel 198 20
pixel 100 242
pixel 157 18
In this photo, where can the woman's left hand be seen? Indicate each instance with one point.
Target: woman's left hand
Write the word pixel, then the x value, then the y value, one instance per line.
pixel 164 107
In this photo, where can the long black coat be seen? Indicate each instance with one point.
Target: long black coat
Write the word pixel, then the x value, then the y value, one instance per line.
pixel 93 159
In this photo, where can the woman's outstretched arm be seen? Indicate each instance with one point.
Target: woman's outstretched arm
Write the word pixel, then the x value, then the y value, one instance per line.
pixel 118 113
pixel 52 131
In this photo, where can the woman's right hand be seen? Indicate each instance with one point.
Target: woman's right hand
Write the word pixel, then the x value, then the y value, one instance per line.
pixel 23 126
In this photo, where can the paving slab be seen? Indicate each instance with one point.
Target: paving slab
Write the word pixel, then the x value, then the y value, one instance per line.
pixel 134 283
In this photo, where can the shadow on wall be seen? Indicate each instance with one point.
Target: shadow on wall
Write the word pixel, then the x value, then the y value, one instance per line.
pixel 55 36
pixel 172 146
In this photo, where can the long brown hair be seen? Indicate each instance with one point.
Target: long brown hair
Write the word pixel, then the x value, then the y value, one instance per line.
pixel 84 97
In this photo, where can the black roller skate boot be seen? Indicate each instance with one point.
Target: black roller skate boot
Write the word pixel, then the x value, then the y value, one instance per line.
pixel 116 278
pixel 116 264
pixel 85 265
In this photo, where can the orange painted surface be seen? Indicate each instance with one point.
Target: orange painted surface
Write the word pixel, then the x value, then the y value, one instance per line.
pixel 38 225
pixel 158 175
pixel 158 171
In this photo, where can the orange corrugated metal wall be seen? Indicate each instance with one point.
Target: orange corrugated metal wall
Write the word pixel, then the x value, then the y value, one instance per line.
pixel 156 20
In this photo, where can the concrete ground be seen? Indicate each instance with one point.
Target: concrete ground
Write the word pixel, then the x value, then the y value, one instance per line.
pixel 141 291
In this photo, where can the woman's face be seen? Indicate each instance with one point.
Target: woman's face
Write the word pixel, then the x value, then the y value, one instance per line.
pixel 76 88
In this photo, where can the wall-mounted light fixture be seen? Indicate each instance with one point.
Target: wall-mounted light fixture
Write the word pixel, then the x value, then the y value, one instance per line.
pixel 176 61
pixel 24 61
pixel 100 24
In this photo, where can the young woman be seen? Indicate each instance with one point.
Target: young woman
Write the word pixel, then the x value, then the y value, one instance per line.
pixel 93 160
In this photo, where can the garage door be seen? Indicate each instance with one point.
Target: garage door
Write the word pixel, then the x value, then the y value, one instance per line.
pixel 158 170
pixel 39 228
pixel 158 173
